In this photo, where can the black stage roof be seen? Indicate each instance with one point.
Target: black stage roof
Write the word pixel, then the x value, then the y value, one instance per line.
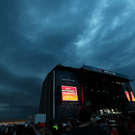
pixel 85 71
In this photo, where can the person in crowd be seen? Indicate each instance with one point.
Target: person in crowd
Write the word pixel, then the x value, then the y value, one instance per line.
pixel 72 122
pixel 100 123
pixel 66 130
pixel 98 120
pixel 55 127
pixel 69 124
pixel 10 130
pixel 60 127
pixel 41 128
pixel 20 129
pixel 126 116
pixel 105 119
pixel 50 123
pixel 48 130
pixel 85 128
pixel 3 130
pixel 77 122
pixel 30 130
pixel 124 130
pixel 132 117
pixel 92 121
pixel 114 127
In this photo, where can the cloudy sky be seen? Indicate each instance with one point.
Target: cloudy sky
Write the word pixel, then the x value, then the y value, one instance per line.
pixel 36 35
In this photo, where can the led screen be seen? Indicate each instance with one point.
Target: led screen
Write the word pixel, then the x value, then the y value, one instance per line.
pixel 128 97
pixel 132 95
pixel 69 93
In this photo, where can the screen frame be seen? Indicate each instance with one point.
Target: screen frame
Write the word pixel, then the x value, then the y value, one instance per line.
pixel 75 91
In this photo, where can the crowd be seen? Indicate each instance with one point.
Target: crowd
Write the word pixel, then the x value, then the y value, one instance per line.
pixel 84 124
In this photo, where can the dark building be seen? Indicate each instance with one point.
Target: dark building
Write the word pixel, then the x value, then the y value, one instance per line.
pixel 66 89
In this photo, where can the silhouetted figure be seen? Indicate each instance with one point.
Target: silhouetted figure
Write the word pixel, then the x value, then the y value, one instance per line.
pixel 85 128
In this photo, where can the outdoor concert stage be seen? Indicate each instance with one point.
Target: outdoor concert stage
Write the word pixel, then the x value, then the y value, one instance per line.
pixel 66 89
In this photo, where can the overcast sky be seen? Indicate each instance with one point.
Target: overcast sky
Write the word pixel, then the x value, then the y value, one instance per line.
pixel 36 35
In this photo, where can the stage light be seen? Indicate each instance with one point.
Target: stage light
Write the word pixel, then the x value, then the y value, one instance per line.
pixel 114 97
pixel 101 112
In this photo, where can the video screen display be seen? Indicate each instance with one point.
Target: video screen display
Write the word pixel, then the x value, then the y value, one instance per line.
pixel 69 93
pixel 128 97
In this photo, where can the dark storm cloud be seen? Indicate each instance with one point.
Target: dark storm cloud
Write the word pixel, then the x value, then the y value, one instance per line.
pixel 111 41
pixel 18 94
pixel 17 104
pixel 13 81
pixel 35 36
pixel 40 28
